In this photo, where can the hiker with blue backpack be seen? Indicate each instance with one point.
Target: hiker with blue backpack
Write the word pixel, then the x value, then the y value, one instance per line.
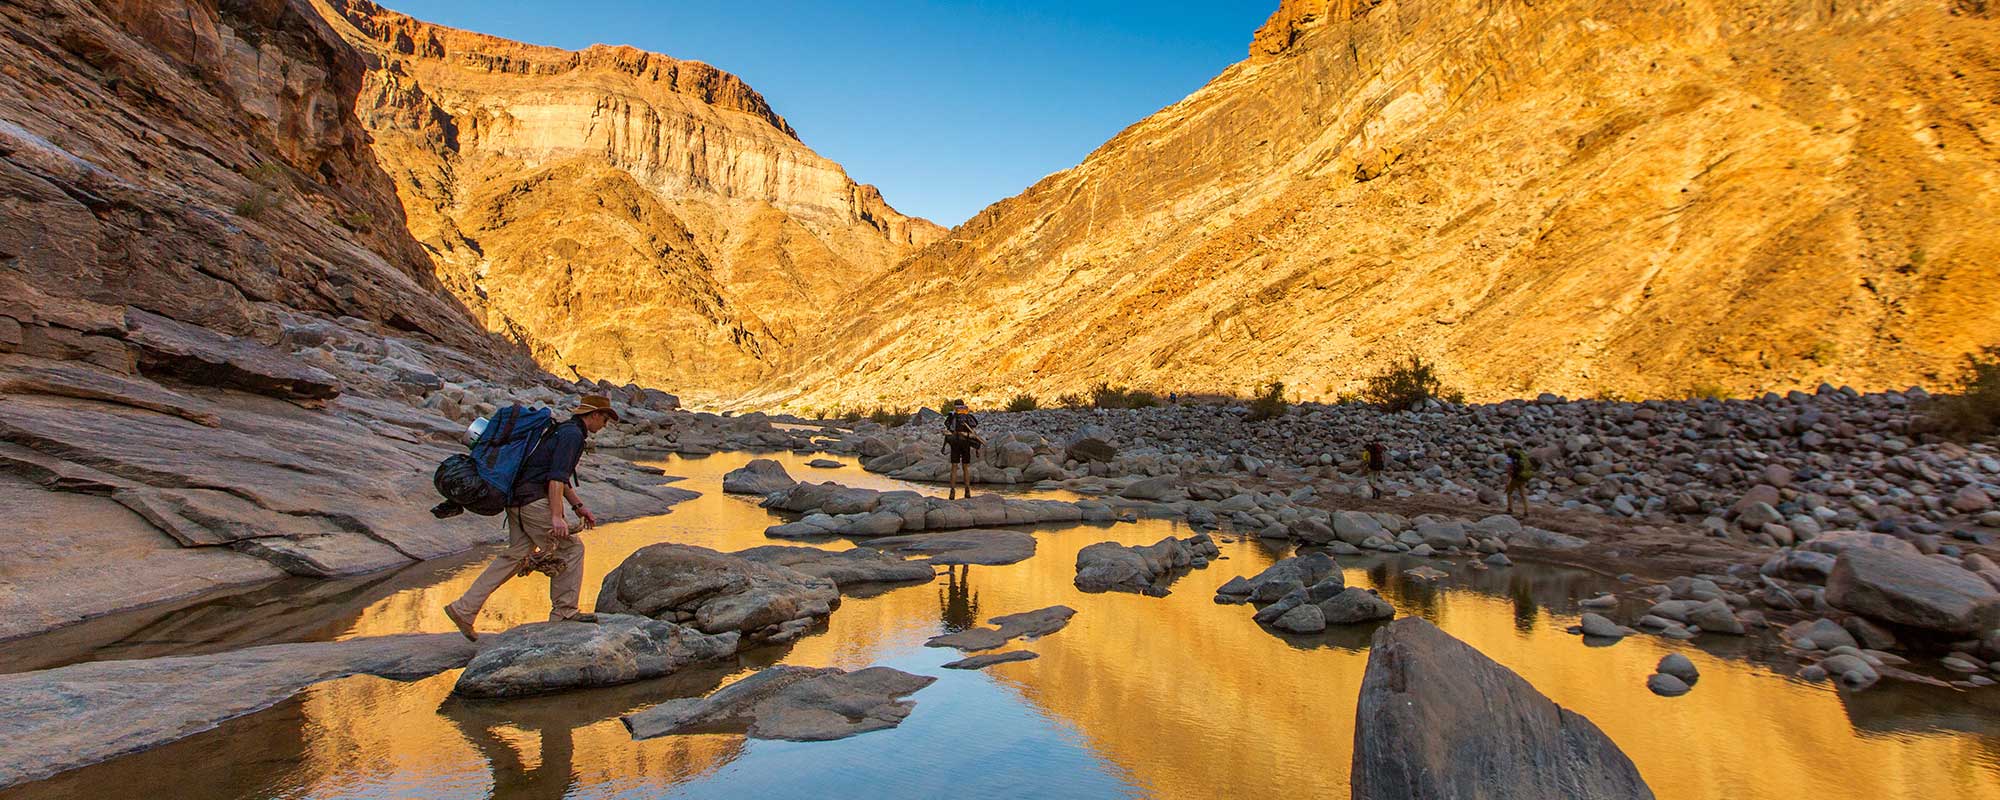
pixel 536 462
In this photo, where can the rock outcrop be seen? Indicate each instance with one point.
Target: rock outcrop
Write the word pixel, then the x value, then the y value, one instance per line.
pixel 701 239
pixel 547 657
pixel 761 476
pixel 717 593
pixel 803 704
pixel 68 717
pixel 1438 719
pixel 1353 192
pixel 1147 569
pixel 860 565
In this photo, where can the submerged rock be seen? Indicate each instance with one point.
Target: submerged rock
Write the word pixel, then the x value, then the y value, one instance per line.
pixel 553 656
pixel 717 592
pixel 1437 719
pixel 985 660
pixel 1031 624
pixel 786 702
pixel 1109 566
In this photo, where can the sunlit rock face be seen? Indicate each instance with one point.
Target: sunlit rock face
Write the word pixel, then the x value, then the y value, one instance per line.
pixel 628 215
pixel 1579 197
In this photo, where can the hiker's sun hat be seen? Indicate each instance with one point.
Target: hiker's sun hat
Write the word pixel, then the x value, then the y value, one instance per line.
pixel 958 404
pixel 596 402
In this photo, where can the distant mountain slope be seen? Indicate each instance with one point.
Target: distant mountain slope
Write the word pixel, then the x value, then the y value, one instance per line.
pixel 1582 197
pixel 628 215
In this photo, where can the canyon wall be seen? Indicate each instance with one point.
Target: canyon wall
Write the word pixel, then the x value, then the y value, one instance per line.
pixel 1582 197
pixel 627 215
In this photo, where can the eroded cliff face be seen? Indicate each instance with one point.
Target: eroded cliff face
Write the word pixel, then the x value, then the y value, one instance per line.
pixel 628 215
pixel 1580 197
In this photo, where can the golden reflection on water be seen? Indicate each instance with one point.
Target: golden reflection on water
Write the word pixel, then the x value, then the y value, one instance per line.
pixel 1167 697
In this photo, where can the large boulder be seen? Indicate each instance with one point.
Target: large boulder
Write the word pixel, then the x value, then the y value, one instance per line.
pixel 1283 577
pixel 554 656
pixel 1913 590
pixel 761 476
pixel 1109 566
pixel 803 704
pixel 1436 719
pixel 717 592
pixel 1091 443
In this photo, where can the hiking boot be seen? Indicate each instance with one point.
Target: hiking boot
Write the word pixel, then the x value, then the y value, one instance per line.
pixel 464 623
pixel 581 616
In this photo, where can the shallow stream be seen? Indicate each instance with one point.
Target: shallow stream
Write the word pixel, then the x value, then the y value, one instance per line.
pixel 1139 697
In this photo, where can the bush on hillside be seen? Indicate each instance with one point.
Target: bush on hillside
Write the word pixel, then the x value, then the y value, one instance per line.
pixel 1708 391
pixel 1104 395
pixel 1023 402
pixel 1270 404
pixel 889 418
pixel 1975 409
pixel 1070 400
pixel 1407 385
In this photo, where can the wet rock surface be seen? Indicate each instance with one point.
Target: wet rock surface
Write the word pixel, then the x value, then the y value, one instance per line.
pixel 860 565
pixel 1030 624
pixel 718 593
pixel 547 657
pixel 984 660
pixel 831 509
pixel 62 718
pixel 990 547
pixel 1438 719
pixel 789 702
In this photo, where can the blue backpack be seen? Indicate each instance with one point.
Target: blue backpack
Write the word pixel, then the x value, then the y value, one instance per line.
pixel 482 481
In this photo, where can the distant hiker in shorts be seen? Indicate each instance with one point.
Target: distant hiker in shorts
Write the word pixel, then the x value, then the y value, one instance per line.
pixel 1520 470
pixel 961 437
pixel 539 537
pixel 1374 459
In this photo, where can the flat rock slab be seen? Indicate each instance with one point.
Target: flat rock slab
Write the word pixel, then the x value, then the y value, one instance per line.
pixel 824 463
pixel 555 656
pixel 845 568
pixel 60 719
pixel 1032 624
pixel 804 704
pixel 988 547
pixel 985 660
pixel 1436 719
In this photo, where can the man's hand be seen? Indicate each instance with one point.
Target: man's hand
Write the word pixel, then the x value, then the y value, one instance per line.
pixel 589 519
pixel 558 523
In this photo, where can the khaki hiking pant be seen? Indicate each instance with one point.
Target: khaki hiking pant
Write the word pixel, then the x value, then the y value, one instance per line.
pixel 527 531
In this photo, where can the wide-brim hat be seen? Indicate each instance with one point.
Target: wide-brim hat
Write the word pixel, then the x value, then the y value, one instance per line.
pixel 596 402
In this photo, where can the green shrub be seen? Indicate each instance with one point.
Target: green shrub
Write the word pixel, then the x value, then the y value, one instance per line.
pixel 889 418
pixel 358 221
pixel 254 204
pixel 1104 395
pixel 1708 391
pixel 1070 400
pixel 1347 399
pixel 1023 402
pixel 1270 404
pixel 1974 410
pixel 1405 386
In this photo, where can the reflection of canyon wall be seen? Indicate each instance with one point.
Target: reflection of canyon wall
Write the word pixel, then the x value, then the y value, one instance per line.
pixel 630 215
pixel 1195 700
pixel 1573 196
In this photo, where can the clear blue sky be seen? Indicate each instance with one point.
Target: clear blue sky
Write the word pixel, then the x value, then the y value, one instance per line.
pixel 947 106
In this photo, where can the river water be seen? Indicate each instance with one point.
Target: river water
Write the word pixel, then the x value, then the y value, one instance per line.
pixel 1173 697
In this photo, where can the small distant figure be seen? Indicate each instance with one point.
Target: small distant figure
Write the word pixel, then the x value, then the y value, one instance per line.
pixel 1520 470
pixel 1173 398
pixel 1374 459
pixel 961 437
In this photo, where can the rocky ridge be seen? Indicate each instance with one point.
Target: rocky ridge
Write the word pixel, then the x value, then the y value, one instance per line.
pixel 1752 196
pixel 701 238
